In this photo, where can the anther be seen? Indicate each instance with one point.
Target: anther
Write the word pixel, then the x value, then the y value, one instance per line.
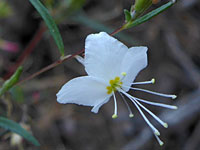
pixel 123 73
pixel 131 115
pixel 157 132
pixel 165 125
pixel 174 96
pixel 153 81
pixel 159 141
pixel 175 107
pixel 114 116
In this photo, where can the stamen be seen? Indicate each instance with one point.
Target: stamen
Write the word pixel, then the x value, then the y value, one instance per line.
pixel 144 117
pixel 115 103
pixel 123 73
pixel 131 115
pixel 159 141
pixel 153 115
pixel 157 104
pixel 155 93
pixel 144 82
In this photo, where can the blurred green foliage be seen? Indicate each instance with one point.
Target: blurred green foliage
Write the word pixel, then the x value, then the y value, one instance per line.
pixel 50 24
pixel 5 9
pixel 15 127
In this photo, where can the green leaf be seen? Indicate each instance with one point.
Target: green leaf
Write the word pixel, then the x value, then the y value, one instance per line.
pixel 50 24
pixel 127 15
pixel 149 15
pixel 11 82
pixel 15 127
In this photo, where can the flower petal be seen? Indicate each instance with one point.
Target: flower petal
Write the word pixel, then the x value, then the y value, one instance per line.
pixel 95 109
pixel 103 56
pixel 88 91
pixel 134 61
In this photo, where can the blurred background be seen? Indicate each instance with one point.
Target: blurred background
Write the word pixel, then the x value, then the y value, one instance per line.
pixel 174 61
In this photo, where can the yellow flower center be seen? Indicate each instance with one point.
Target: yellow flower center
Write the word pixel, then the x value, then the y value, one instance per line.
pixel 114 84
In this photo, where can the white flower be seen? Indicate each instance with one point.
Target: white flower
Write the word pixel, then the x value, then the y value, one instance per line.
pixel 111 67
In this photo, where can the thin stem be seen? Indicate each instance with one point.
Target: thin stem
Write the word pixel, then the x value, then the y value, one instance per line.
pixel 115 109
pixel 116 31
pixel 27 51
pixel 155 131
pixel 60 61
pixel 152 114
pixel 159 140
pixel 144 82
pixel 129 109
pixel 157 104
pixel 151 92
pixel 155 93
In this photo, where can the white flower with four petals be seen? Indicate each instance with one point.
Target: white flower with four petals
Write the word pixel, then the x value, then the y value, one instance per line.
pixel 111 67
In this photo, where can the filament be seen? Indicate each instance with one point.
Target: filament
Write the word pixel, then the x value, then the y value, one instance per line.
pixel 129 109
pixel 152 114
pixel 144 117
pixel 155 93
pixel 159 140
pixel 115 110
pixel 157 104
pixel 144 82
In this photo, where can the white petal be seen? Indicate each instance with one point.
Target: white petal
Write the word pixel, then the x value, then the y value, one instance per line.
pixel 86 90
pixel 134 61
pixel 103 56
pixel 95 109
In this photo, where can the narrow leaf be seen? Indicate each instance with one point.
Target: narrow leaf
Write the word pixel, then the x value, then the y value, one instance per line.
pixel 15 127
pixel 149 15
pixel 50 24
pixel 11 82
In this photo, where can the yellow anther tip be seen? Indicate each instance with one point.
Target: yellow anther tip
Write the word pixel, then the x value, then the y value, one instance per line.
pixel 175 107
pixel 174 97
pixel 157 133
pixel 161 143
pixel 153 81
pixel 165 125
pixel 114 116
pixel 123 73
pixel 131 115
